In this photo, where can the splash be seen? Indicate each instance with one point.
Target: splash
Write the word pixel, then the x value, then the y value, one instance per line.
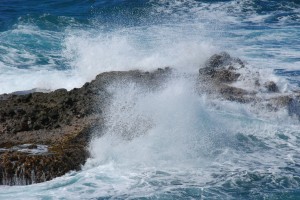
pixel 180 34
pixel 173 143
pixel 168 127
pixel 169 143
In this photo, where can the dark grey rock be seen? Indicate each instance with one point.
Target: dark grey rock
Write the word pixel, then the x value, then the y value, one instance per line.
pixel 62 120
pixel 271 86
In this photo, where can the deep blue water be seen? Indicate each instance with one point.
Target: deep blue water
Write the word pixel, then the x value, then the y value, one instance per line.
pixel 52 44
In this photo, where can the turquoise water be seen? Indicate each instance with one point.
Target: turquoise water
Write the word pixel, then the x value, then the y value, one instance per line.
pixel 182 146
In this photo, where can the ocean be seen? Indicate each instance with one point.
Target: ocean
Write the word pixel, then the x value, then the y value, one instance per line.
pixel 184 145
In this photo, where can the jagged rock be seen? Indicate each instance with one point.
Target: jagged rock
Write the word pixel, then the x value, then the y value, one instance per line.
pixel 271 86
pixel 223 59
pixel 218 60
pixel 62 120
pixel 221 71
pixel 221 68
pixel 235 94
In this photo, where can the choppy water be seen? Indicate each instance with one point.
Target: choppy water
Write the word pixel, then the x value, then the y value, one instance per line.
pixel 183 148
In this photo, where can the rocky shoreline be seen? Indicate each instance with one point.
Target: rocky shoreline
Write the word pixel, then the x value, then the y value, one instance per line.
pixel 45 135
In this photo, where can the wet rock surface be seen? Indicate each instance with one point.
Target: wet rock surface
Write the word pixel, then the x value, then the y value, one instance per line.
pixel 221 72
pixel 271 86
pixel 218 73
pixel 45 135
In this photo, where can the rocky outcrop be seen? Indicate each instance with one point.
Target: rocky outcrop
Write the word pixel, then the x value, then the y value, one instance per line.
pixel 221 72
pixel 45 135
pixel 218 73
pixel 271 86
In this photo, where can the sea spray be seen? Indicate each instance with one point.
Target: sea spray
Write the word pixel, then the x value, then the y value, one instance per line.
pixel 170 142
pixel 165 127
pixel 260 154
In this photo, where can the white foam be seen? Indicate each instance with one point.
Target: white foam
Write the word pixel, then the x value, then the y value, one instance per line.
pixel 169 140
pixel 94 51
pixel 157 143
pixel 182 35
pixel 19 80
pixel 153 129
pixel 135 48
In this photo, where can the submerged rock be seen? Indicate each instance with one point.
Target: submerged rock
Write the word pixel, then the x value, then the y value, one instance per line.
pixel 45 135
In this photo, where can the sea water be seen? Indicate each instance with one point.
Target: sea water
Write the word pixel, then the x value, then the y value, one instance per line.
pixel 171 143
